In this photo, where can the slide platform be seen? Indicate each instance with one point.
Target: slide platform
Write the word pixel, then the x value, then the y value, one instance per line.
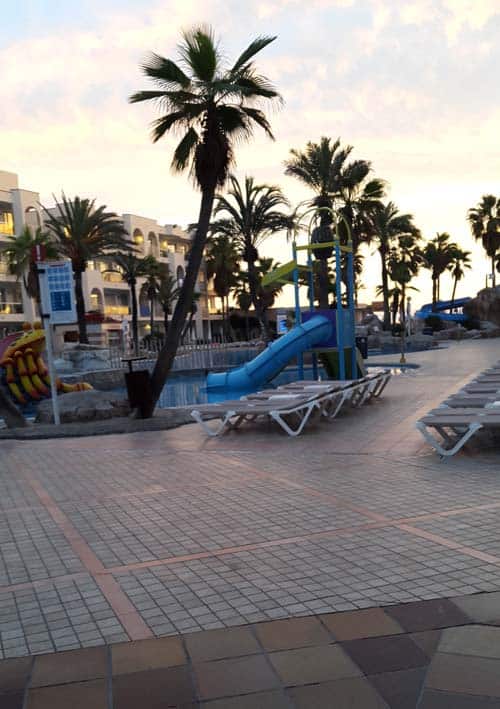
pixel 274 358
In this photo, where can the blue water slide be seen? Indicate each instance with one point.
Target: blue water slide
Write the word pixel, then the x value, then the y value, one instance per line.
pixel 441 306
pixel 274 358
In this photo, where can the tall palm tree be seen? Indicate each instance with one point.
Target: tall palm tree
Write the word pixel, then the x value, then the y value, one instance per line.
pixel 151 286
pixel 131 268
pixel 484 220
pixel 251 213
pixel 222 261
pixel 83 232
pixel 214 106
pixel 244 299
pixel 460 262
pixel 438 255
pixel 404 261
pixel 20 260
pixel 387 225
pixel 324 168
pixel 167 293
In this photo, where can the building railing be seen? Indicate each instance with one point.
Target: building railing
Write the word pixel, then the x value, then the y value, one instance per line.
pixel 192 356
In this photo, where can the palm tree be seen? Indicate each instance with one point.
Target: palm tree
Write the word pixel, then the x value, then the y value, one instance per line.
pixel 244 299
pixel 252 213
pixel 460 262
pixel 20 260
pixel 222 261
pixel 167 293
pixel 438 255
pixel 404 261
pixel 151 287
pixel 83 232
pixel 323 167
pixel 131 268
pixel 192 312
pixel 214 106
pixel 267 294
pixel 484 220
pixel 387 225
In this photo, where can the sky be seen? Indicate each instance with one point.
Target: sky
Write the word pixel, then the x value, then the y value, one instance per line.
pixel 411 84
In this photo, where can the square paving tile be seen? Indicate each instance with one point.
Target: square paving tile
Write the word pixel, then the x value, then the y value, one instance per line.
pixel 220 644
pixel 78 695
pixel 154 689
pixel 466 675
pixel 72 666
pixel 388 654
pixel 352 625
pixel 14 674
pixel 448 700
pixel 480 607
pixel 263 700
pixel 401 689
pixel 292 633
pixel 479 640
pixel 225 678
pixel 12 701
pixel 315 664
pixel 351 693
pixel 428 615
pixel 143 655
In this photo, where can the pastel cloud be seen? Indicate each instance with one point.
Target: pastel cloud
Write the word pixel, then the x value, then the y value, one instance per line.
pixel 413 85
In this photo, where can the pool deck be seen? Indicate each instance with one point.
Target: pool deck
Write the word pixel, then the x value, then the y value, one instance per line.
pixel 256 570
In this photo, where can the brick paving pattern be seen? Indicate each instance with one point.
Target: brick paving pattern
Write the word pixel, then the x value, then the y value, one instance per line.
pixel 161 534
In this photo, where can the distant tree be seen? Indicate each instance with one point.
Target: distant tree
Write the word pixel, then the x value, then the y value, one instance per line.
pixel 458 265
pixel 82 232
pixel 20 260
pixel 130 267
pixel 438 255
pixel 387 226
pixel 214 106
pixel 484 220
pixel 168 293
pixel 251 213
pixel 151 286
pixel 222 261
pixel 404 262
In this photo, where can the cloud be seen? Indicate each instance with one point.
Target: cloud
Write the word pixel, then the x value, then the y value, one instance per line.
pixel 412 85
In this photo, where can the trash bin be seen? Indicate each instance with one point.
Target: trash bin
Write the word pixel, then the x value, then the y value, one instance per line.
pixel 362 345
pixel 140 395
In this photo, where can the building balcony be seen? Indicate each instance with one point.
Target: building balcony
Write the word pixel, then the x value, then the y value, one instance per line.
pixel 9 308
pixel 116 310
pixel 112 277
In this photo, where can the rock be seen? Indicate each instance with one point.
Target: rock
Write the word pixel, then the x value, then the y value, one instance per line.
pixel 372 323
pixel 485 306
pixel 85 357
pixel 80 406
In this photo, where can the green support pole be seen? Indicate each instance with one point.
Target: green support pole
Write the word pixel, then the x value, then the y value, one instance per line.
pixel 298 318
pixel 350 287
pixel 340 314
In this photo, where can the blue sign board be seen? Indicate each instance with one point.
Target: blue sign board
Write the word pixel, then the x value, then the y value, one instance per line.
pixel 56 281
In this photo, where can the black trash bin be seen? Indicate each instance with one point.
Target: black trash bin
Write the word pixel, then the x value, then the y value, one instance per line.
pixel 362 345
pixel 140 394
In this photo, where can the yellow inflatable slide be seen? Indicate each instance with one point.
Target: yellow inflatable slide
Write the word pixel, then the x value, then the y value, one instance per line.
pixel 23 369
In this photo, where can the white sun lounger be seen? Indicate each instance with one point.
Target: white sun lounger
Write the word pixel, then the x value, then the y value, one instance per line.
pixel 231 414
pixel 456 426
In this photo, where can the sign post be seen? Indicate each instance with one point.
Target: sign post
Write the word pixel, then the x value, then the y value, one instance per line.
pixel 58 307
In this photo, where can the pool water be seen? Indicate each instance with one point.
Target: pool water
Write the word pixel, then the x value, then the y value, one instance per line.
pixel 184 390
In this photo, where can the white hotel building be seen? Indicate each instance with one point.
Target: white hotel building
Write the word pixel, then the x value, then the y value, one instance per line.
pixel 107 297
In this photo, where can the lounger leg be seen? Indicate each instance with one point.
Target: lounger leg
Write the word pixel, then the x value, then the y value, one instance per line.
pixel 224 422
pixel 381 386
pixel 278 417
pixel 448 452
pixel 339 405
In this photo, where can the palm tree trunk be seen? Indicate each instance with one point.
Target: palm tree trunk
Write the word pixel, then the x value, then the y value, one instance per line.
pixel 385 290
pixel 455 282
pixel 135 327
pixel 493 272
pixel 323 282
pixel 80 308
pixel 151 314
pixel 252 287
pixel 165 321
pixel 169 349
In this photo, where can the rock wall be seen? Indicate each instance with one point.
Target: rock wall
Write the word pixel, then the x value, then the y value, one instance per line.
pixel 485 306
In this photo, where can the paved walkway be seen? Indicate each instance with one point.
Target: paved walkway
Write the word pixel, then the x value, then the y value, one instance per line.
pixel 119 538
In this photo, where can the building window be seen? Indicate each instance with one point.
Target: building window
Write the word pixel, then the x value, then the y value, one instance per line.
pixel 6 223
